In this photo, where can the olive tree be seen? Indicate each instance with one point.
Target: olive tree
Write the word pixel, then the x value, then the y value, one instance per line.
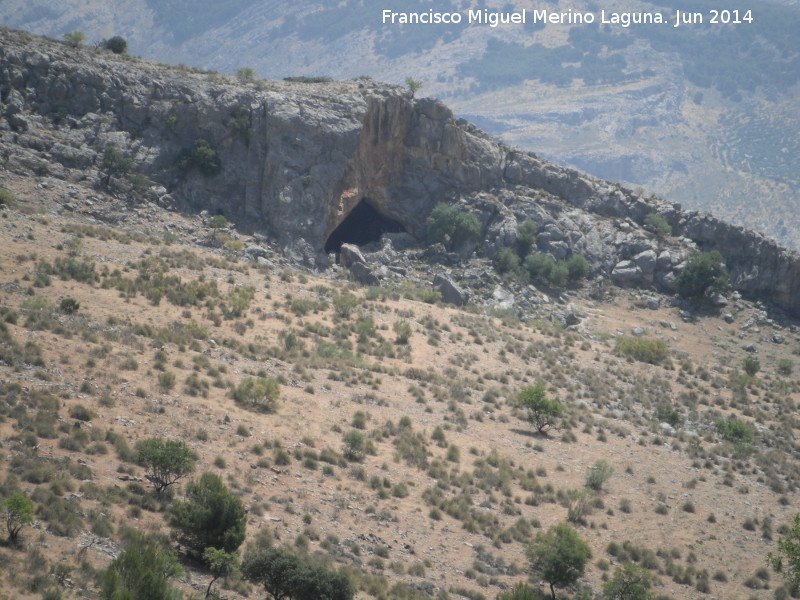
pixel 787 560
pixel 142 570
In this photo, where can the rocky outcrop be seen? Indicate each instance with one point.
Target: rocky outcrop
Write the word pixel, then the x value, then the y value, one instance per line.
pixel 292 160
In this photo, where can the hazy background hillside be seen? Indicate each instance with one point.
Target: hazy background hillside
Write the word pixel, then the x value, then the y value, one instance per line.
pixel 705 115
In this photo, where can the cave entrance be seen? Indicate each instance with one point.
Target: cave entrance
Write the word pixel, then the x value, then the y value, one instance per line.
pixel 363 225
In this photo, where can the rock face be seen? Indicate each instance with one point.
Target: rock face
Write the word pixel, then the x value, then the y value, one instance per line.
pixel 292 160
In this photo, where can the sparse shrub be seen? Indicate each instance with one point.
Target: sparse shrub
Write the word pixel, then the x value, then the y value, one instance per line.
pixel 345 304
pixel 354 446
pixel 642 349
pixel 69 306
pixel 785 366
pixel 598 474
pixel 6 197
pixel 703 271
pixel 257 393
pixel 80 412
pixel 402 329
pixel 217 222
pixel 74 38
pixel 577 267
pixel 166 381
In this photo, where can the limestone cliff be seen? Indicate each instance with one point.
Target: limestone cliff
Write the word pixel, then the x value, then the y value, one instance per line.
pixel 292 159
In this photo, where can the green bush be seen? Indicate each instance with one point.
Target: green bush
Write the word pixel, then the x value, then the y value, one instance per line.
pixel 202 157
pixel 751 365
pixel 354 446
pixel 506 261
pixel 117 44
pixel 785 366
pixel 735 430
pixel 17 510
pixel 142 570
pixel 577 267
pixel 526 236
pixel 69 306
pixel 210 517
pixel 452 226
pixel 74 38
pixel 245 73
pixel 81 413
pixel 114 162
pixel 704 271
pixel 257 393
pixel 218 222
pixel 402 329
pixel 641 349
pixel 6 197
pixel 284 575
pixel 658 224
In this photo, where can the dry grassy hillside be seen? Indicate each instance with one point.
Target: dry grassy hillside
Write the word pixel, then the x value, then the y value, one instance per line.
pixel 453 482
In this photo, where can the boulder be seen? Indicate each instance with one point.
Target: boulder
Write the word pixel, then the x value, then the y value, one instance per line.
pixel 363 274
pixel 451 293
pixel 626 273
pixel 350 254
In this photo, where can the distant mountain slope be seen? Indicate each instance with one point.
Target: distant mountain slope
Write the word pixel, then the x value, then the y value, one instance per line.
pixel 704 114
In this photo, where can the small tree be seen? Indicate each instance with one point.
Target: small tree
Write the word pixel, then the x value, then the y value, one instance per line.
pixel 69 306
pixel 559 556
pixel 704 271
pixel 257 393
pixel 598 474
pixel 542 411
pixel 74 38
pixel 166 461
pixel 452 226
pixel 787 560
pixel 220 563
pixel 629 582
pixel 117 44
pixel 19 512
pixel 413 85
pixel 142 570
pixel 210 517
pixel 245 74
pixel 114 162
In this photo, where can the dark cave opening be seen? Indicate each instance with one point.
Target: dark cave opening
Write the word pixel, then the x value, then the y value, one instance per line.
pixel 363 225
